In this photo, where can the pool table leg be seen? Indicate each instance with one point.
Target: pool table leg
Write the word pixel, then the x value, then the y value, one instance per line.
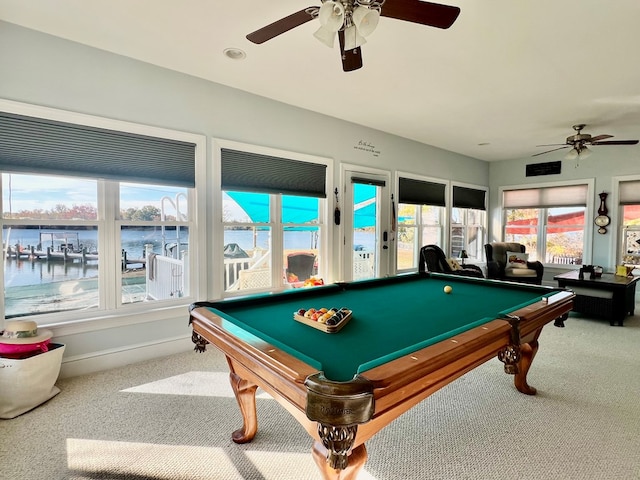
pixel 357 459
pixel 528 352
pixel 245 393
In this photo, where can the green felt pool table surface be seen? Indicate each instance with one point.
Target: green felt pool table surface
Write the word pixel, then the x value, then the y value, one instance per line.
pixel 391 317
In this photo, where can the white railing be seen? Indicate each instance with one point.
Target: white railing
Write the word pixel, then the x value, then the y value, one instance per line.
pixel 249 273
pixel 166 277
pixel 364 265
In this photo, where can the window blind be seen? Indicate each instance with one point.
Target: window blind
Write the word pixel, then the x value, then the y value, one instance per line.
pixel 420 192
pixel 629 192
pixel 368 181
pixel 464 197
pixel 42 146
pixel 254 172
pixel 564 196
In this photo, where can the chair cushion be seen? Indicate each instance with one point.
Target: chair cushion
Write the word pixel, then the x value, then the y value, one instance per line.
pixel 500 250
pixel 517 260
pixel 520 272
pixel 454 264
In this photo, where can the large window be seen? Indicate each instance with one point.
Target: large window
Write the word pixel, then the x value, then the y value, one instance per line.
pixel 94 219
pixel 468 222
pixel 420 217
pixel 273 210
pixel 549 221
pixel 629 197
pixel 58 249
pixel 270 241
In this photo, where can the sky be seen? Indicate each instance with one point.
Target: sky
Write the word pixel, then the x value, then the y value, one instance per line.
pixel 29 192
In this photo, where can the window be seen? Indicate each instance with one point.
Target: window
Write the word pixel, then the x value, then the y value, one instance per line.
pixel 58 250
pixel 154 241
pixel 420 219
pixel 629 196
pixel 549 221
pixel 272 215
pixel 50 240
pixel 468 222
pixel 90 216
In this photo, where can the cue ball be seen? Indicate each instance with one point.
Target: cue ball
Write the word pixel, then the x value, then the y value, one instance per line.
pixel 448 289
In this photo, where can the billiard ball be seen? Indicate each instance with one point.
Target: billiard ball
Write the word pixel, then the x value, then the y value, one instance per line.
pixel 448 289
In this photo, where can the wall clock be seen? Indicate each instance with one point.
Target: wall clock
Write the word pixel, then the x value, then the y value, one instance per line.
pixel 602 220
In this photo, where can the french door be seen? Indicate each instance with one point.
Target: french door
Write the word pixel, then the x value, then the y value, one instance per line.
pixel 368 239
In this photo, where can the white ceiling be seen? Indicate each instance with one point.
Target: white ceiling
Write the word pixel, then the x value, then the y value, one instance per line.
pixel 509 74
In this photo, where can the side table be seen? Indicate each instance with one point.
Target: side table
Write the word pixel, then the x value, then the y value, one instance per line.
pixel 609 296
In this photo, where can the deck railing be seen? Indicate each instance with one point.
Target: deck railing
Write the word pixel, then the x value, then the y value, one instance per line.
pixel 167 277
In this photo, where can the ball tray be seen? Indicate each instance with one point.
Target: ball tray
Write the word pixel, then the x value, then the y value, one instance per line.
pixel 323 326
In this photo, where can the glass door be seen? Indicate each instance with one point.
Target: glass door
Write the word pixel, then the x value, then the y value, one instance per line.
pixel 368 236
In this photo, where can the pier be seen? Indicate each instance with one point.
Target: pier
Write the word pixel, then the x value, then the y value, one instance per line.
pixel 18 252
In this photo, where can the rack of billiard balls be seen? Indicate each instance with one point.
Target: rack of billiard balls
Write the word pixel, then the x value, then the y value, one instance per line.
pixel 329 320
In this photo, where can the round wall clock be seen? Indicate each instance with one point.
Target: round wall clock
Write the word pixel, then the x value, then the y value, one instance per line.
pixel 602 221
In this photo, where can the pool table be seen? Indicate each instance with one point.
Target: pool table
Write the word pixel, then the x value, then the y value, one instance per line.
pixel 406 339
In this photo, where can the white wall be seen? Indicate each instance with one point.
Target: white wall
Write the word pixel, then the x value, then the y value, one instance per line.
pixel 48 71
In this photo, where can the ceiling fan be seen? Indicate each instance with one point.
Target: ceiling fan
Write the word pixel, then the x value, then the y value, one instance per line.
pixel 579 142
pixel 353 20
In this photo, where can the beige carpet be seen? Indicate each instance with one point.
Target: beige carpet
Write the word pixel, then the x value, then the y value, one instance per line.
pixel 172 418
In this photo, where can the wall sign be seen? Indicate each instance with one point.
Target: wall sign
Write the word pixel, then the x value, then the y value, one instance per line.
pixel 367 147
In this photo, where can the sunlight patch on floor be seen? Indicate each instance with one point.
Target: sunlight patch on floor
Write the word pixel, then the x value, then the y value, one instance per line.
pixel 144 460
pixel 204 384
pixel 290 466
pixel 102 458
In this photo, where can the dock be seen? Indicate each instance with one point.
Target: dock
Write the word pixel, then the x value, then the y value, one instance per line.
pixel 18 252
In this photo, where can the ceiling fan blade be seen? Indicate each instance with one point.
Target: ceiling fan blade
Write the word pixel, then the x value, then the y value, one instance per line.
pixel 425 13
pixel 616 142
pixel 552 145
pixel 597 138
pixel 548 151
pixel 280 26
pixel 351 59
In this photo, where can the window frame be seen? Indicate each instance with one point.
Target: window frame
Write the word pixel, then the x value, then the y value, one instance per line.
pixel 419 225
pixel 483 227
pixel 216 227
pixel 543 214
pixel 79 321
pixel 617 226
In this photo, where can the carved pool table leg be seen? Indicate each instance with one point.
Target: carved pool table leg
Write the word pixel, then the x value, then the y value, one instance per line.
pixel 528 352
pixel 245 393
pixel 357 459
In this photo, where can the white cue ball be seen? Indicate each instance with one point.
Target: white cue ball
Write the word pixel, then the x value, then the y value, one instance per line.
pixel 448 289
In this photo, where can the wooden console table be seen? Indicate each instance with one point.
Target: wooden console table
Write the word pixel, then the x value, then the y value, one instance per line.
pixel 610 296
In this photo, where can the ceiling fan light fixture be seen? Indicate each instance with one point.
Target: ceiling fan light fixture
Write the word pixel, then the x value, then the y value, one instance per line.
pixel 365 19
pixel 326 36
pixel 352 38
pixel 584 153
pixel 331 15
pixel 572 155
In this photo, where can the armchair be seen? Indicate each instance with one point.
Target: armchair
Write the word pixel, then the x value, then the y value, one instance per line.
pixel 433 259
pixel 499 267
pixel 300 266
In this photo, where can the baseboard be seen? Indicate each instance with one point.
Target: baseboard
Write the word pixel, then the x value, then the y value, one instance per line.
pixel 128 354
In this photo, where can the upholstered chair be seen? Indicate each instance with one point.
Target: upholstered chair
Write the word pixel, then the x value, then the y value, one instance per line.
pixel 507 261
pixel 433 259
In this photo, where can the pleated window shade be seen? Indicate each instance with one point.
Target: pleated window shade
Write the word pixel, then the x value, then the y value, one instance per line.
pixel 629 193
pixel 420 192
pixel 464 197
pixel 564 196
pixel 43 146
pixel 254 172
